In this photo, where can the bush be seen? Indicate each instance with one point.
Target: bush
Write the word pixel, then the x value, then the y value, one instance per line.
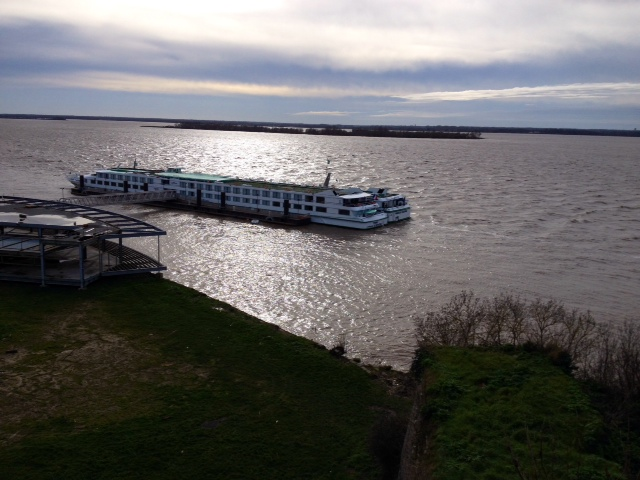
pixel 604 356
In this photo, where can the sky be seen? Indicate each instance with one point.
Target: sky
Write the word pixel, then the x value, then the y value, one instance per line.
pixel 502 63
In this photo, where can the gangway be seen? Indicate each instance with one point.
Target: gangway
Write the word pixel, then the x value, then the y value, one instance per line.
pixel 120 198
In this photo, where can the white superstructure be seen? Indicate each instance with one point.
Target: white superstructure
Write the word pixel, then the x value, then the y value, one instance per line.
pixel 351 208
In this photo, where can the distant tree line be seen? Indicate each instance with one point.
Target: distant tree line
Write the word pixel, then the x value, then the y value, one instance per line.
pixel 302 126
pixel 231 127
pixel 329 130
pixel 606 357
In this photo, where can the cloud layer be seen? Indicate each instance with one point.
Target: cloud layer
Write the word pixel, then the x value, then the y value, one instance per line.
pixel 405 51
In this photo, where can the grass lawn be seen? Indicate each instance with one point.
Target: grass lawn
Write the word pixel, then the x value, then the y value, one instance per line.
pixel 138 377
pixel 510 414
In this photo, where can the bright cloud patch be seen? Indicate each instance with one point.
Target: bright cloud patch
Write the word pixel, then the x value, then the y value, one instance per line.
pixel 324 114
pixel 604 92
pixel 593 91
pixel 148 84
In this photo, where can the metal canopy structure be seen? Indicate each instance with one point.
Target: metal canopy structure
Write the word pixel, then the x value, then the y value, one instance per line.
pixel 57 243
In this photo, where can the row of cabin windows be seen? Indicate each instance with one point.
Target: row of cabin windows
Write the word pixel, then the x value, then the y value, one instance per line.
pixel 114 184
pixel 100 182
pixel 219 188
pixel 128 178
pixel 257 193
pixel 131 180
pixel 255 201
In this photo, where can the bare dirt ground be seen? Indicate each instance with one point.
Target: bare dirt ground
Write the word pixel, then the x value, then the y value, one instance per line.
pixel 83 374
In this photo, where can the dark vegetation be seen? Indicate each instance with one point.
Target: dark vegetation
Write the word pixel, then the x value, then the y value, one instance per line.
pixel 530 384
pixel 378 131
pixel 138 377
pixel 398 128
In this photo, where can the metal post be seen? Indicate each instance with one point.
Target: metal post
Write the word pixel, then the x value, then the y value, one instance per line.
pixel 100 246
pixel 81 260
pixel 42 267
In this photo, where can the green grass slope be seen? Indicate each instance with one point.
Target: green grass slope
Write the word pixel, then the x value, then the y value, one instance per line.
pixel 508 414
pixel 138 377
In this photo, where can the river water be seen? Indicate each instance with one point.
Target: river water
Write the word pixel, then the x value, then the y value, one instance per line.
pixel 537 215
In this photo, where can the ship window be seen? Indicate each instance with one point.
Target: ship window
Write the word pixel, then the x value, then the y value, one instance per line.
pixel 256 193
pixel 217 188
pixel 99 182
pixel 216 196
pixel 207 195
pixel 136 187
pixel 319 199
pixel 120 177
pixel 276 204
pixel 321 209
pixel 246 191
pixel 343 212
pixel 308 198
pixel 246 200
pixel 183 184
pixel 236 190
pixel 308 207
pixel 275 194
pixel 208 187
pixel 297 206
pixel 286 196
pixel 113 184
pixel 265 202
pixel 255 201
pixel 92 181
pixel 297 197
pixel 227 189
pixel 192 185
pixel 235 199
pixel 266 193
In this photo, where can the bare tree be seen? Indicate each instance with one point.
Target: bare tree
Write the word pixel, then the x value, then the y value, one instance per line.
pixel 544 317
pixel 578 335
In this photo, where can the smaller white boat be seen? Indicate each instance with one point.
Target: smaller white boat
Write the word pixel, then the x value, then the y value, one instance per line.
pixel 394 205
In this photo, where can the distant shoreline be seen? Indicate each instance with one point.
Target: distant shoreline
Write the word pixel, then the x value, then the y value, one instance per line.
pixel 398 128
pixel 333 131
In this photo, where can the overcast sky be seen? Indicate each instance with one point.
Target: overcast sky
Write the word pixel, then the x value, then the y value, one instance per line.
pixel 540 63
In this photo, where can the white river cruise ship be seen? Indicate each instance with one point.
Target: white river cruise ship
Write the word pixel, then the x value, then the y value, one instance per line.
pixel 328 205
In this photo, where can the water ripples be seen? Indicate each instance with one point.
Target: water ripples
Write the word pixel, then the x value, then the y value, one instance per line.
pixel 546 216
